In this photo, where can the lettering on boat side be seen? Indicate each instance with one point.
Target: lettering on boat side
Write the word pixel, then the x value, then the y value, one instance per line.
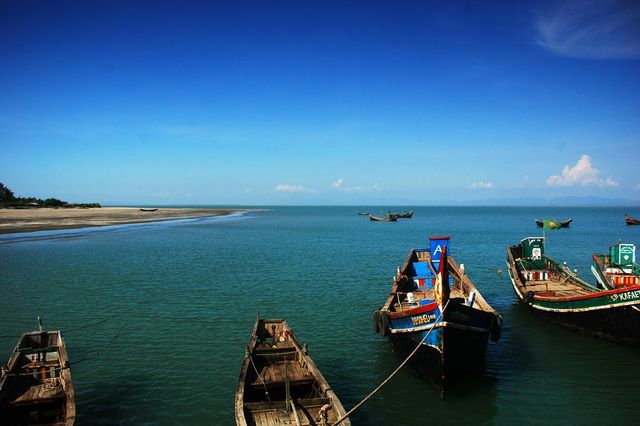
pixel 626 296
pixel 423 319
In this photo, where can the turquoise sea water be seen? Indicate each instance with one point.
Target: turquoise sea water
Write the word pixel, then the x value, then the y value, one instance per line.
pixel 156 317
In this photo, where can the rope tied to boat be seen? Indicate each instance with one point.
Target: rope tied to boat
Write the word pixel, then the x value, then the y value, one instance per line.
pixel 266 392
pixel 384 382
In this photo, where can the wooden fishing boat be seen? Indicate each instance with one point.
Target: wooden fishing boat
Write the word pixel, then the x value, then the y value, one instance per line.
pixel 563 224
pixel 630 220
pixel 555 293
pixel 387 218
pixel 618 268
pixel 435 310
pixel 280 384
pixel 36 386
pixel 405 215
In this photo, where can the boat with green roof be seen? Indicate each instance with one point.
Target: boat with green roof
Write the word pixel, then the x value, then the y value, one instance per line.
pixel 559 295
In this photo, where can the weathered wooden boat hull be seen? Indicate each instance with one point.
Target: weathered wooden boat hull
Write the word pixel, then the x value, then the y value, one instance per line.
pixel 36 386
pixel 280 384
pixel 454 348
pixel 610 314
pixel 383 219
pixel 447 346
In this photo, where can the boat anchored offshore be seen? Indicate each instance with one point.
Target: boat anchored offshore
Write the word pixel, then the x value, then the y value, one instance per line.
pixel 618 269
pixel 560 296
pixel 280 384
pixel 630 220
pixel 435 312
pixel 36 386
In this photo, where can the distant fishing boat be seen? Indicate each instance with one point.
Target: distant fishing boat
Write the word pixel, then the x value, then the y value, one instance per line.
pixel 554 224
pixel 36 386
pixel 279 384
pixel 148 210
pixel 387 218
pixel 434 308
pixel 618 268
pixel 555 293
pixel 405 215
pixel 631 221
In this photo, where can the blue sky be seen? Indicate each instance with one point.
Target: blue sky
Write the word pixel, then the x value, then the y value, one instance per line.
pixel 327 102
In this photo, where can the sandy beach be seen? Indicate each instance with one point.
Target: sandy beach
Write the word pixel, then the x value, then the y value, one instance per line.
pixel 27 220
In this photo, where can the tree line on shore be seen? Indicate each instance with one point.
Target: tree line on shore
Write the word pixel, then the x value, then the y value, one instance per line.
pixel 9 200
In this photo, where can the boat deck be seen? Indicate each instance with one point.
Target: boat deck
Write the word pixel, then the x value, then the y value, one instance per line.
pixel 41 393
pixel 274 413
pixel 278 373
pixel 424 297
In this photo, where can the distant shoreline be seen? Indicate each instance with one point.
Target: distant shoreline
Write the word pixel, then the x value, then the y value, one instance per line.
pixel 47 219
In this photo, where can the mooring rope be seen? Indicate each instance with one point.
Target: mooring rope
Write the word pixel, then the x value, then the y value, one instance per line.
pixel 266 392
pixel 366 398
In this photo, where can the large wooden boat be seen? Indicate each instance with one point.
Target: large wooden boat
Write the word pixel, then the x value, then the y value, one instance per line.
pixel 618 268
pixel 280 384
pixel 560 296
pixel 563 224
pixel 36 386
pixel 630 220
pixel 435 310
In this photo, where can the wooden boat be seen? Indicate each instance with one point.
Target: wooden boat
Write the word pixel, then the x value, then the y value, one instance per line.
pixel 555 293
pixel 148 210
pixel 618 268
pixel 405 215
pixel 280 384
pixel 435 308
pixel 36 386
pixel 630 220
pixel 387 218
pixel 564 224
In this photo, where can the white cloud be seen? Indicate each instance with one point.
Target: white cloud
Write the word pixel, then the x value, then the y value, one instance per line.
pixel 583 173
pixel 337 184
pixel 482 185
pixel 285 187
pixel 592 29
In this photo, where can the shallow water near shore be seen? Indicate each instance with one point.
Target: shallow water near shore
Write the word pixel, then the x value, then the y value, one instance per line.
pixel 156 316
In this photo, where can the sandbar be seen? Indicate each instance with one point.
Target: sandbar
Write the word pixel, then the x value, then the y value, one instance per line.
pixel 44 219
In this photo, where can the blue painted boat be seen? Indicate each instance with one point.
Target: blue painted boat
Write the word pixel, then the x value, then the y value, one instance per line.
pixel 436 316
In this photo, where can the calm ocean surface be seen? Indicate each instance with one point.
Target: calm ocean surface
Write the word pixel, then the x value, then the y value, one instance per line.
pixel 156 317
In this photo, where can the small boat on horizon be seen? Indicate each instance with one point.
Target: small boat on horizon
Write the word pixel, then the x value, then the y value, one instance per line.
pixel 36 386
pixel 148 210
pixel 554 223
pixel 618 268
pixel 388 218
pixel 280 384
pixel 631 221
pixel 404 215
pixel 558 295
pixel 436 310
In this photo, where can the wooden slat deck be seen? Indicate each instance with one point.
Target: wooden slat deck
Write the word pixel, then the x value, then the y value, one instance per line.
pixel 280 372
pixel 274 413
pixel 38 394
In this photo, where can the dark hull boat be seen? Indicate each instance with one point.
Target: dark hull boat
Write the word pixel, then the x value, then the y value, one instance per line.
pixel 618 268
pixel 280 384
pixel 555 224
pixel 631 221
pixel 437 315
pixel 555 293
pixel 36 386
pixel 404 215
pixel 388 218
